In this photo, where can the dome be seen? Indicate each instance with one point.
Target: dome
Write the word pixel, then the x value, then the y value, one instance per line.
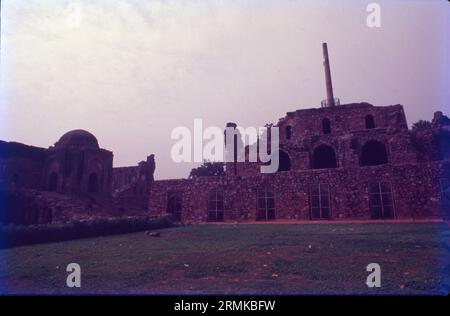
pixel 77 138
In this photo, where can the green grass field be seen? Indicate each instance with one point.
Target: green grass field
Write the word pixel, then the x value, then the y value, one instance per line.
pixel 240 259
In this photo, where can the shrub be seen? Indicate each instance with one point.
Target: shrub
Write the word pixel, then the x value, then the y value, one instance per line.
pixel 15 235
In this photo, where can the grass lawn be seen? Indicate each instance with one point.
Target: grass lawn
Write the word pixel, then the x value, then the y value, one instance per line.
pixel 241 259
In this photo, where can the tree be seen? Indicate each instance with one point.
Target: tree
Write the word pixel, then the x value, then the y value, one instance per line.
pixel 208 169
pixel 421 126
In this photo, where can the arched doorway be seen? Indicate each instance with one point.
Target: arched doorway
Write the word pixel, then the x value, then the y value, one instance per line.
pixel 174 205
pixel 373 153
pixel 284 161
pixel 53 182
pixel 93 183
pixel 324 157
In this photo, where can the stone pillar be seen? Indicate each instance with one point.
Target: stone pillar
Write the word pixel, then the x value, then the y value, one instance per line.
pixel 329 84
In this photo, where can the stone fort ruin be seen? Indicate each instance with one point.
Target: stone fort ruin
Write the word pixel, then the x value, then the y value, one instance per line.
pixel 339 161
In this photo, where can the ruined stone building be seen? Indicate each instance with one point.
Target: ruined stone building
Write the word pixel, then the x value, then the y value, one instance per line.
pixel 337 161
pixel 349 161
pixel 131 186
pixel 71 180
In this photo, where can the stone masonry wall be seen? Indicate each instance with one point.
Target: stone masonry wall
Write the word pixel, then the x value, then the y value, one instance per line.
pixel 415 190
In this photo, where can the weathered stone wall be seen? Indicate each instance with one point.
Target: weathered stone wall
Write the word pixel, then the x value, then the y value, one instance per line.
pixel 20 166
pixel 71 180
pixel 347 136
pixel 432 142
pixel 343 119
pixel 413 167
pixel 74 167
pixel 418 163
pixel 26 207
pixel 134 180
pixel 415 190
pixel 131 187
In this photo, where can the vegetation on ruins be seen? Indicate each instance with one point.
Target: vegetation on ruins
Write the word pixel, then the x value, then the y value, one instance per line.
pixel 207 169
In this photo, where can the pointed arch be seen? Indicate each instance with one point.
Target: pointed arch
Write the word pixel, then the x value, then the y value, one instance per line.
pixel 324 157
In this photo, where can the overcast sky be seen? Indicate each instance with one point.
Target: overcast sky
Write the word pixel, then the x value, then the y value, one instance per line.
pixel 131 71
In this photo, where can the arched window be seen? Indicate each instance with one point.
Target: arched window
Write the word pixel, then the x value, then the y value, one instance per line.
pixel 284 163
pixel 288 132
pixel 53 182
pixel 324 157
pixel 93 183
pixel 373 153
pixel 370 121
pixel 326 126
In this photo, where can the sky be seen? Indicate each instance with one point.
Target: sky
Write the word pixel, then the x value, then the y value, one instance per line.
pixel 132 71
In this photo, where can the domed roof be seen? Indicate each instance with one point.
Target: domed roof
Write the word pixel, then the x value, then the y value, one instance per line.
pixel 77 138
